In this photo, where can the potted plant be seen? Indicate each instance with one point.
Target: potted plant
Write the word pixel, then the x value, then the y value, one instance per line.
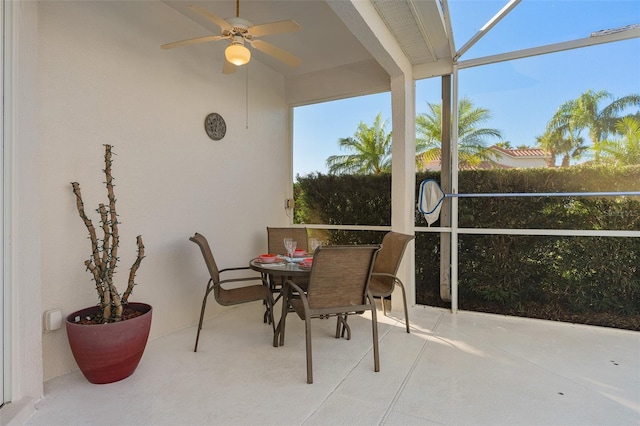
pixel 108 340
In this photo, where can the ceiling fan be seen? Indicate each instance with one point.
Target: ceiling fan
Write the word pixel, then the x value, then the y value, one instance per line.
pixel 239 31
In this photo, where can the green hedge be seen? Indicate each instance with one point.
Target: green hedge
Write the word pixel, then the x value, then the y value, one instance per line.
pixel 507 273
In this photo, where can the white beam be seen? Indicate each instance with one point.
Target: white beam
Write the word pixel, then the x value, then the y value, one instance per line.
pixel 487 27
pixel 367 26
pixel 552 48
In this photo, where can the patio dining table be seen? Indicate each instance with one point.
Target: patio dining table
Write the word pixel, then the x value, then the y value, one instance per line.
pixel 280 268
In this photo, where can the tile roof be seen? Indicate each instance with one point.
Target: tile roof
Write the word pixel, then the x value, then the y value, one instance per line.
pixel 529 152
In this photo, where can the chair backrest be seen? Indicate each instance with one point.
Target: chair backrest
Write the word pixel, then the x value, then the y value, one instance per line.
pixel 201 241
pixel 276 236
pixel 390 255
pixel 340 276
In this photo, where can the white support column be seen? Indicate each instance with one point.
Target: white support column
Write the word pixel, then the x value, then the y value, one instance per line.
pixel 403 178
pixel 23 378
pixel 454 190
pixel 445 182
pixel 365 23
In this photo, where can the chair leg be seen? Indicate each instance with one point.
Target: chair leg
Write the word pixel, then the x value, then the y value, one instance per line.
pixel 342 327
pixel 383 301
pixel 266 318
pixel 404 300
pixel 283 319
pixel 204 305
pixel 269 302
pixel 374 325
pixel 274 289
pixel 307 328
pixel 345 327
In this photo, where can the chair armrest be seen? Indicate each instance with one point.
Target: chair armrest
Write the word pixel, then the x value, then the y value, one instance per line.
pixel 384 274
pixel 239 268
pixel 234 280
pixel 303 296
pixel 295 286
pixel 238 279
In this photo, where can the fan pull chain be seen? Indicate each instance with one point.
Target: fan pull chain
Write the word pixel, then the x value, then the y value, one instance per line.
pixel 246 96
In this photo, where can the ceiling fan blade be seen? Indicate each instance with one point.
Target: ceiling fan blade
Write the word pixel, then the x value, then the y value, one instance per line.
pixel 274 28
pixel 192 41
pixel 213 18
pixel 228 67
pixel 276 52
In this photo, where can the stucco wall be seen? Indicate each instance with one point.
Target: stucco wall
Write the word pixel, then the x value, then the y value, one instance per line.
pixel 104 79
pixel 520 162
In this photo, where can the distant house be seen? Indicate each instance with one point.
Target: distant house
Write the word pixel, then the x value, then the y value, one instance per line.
pixel 503 159
pixel 520 158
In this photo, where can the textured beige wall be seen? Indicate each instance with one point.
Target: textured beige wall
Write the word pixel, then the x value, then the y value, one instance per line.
pixel 104 79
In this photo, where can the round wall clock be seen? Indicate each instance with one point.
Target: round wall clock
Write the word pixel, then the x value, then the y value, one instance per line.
pixel 215 126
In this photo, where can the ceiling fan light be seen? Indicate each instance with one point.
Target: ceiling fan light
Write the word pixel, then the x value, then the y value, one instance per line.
pixel 237 54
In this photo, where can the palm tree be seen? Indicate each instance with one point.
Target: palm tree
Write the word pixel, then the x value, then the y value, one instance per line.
pixel 370 147
pixel 576 150
pixel 504 145
pixel 472 139
pixel 571 143
pixel 625 151
pixel 550 142
pixel 585 113
pixel 565 142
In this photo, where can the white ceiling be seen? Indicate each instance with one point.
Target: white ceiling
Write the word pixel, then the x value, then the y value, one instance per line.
pixel 324 42
pixel 337 34
pixel 354 47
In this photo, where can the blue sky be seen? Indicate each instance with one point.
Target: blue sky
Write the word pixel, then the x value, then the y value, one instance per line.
pixel 521 95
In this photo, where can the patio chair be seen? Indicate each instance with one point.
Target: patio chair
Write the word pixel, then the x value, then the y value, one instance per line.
pixel 338 286
pixel 275 244
pixel 276 236
pixel 232 296
pixel 384 279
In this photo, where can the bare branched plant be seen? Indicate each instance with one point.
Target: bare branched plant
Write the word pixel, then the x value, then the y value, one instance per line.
pixel 104 257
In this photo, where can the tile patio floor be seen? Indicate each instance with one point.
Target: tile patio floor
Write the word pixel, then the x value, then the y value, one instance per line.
pixel 453 369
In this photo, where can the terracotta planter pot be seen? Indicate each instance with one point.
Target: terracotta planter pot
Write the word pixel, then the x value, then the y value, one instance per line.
pixel 107 353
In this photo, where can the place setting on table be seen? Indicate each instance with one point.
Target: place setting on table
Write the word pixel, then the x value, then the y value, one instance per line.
pixel 294 260
pixel 277 268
